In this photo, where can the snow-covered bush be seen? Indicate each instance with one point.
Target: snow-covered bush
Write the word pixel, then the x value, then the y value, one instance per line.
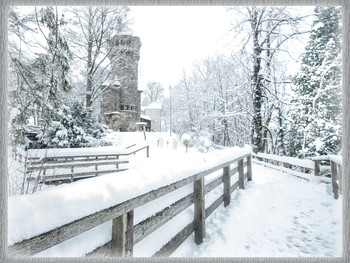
pixel 204 144
pixel 186 138
pixel 75 127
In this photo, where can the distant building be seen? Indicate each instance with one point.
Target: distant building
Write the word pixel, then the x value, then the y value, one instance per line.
pixel 154 112
pixel 121 102
pixel 146 119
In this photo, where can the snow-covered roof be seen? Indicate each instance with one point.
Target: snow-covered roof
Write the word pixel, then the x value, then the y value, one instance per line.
pixel 113 113
pixel 111 82
pixel 145 117
pixel 141 123
pixel 154 106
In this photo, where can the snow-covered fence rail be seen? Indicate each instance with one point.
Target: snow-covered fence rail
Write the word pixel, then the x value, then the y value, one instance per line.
pixel 307 165
pixel 62 163
pixel 287 161
pixel 125 234
pixel 336 171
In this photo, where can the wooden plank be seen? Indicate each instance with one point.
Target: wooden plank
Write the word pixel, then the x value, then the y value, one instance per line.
pixel 234 186
pixel 129 246
pixel 199 211
pixel 68 165
pixel 215 183
pixel 118 236
pixel 241 174
pixel 50 158
pixel 143 229
pixel 227 184
pixel 212 185
pixel 340 173
pixel 53 237
pixel 79 175
pixel 317 167
pixel 122 235
pixel 130 146
pixel 179 238
pixel 175 242
pixel 290 162
pixel 334 180
pixel 249 168
pixel 213 206
pixel 149 225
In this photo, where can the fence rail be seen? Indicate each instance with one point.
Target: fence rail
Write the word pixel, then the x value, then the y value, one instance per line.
pixel 125 234
pixel 37 168
pixel 313 164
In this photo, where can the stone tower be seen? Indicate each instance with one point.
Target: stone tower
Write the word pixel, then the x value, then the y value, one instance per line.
pixel 121 103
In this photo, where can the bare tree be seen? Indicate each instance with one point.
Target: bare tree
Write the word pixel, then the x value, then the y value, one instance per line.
pixel 266 29
pixel 212 102
pixel 154 92
pixel 93 28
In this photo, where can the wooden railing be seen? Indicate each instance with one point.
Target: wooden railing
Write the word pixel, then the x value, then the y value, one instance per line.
pixel 336 172
pixel 286 164
pixel 125 234
pixel 36 167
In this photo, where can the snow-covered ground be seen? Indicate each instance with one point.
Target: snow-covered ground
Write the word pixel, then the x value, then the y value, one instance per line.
pixel 277 214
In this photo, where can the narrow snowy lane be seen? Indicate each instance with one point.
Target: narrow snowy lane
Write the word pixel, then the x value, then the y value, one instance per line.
pixel 276 215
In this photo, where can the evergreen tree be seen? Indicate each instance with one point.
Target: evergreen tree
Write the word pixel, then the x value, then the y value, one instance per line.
pixel 317 127
pixel 74 127
pixel 51 67
pixel 38 80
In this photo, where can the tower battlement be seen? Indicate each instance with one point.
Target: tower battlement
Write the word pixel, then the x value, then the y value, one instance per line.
pixel 124 43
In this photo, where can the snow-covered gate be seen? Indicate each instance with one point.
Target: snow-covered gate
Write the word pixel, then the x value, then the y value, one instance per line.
pixel 125 234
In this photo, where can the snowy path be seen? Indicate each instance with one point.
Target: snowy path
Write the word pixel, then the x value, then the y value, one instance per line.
pixel 277 215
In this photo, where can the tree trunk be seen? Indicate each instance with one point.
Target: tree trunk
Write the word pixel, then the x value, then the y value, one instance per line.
pixel 89 63
pixel 256 85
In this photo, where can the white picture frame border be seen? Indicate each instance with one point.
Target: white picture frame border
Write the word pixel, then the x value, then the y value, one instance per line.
pixel 4 4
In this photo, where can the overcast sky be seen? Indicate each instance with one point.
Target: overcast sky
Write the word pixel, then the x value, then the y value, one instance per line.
pixel 173 38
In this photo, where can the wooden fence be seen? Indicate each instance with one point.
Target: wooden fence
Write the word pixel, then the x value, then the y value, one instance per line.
pixel 336 172
pixel 125 234
pixel 286 164
pixel 36 167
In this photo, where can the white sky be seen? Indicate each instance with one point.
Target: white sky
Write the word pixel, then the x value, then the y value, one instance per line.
pixel 173 38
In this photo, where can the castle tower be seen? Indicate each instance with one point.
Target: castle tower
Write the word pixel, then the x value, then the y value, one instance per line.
pixel 121 103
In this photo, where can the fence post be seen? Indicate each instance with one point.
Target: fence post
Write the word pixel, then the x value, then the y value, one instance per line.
pixel 123 235
pixel 249 168
pixel 340 178
pixel 317 167
pixel 227 185
pixel 199 211
pixel 72 173
pixel 334 180
pixel 240 174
